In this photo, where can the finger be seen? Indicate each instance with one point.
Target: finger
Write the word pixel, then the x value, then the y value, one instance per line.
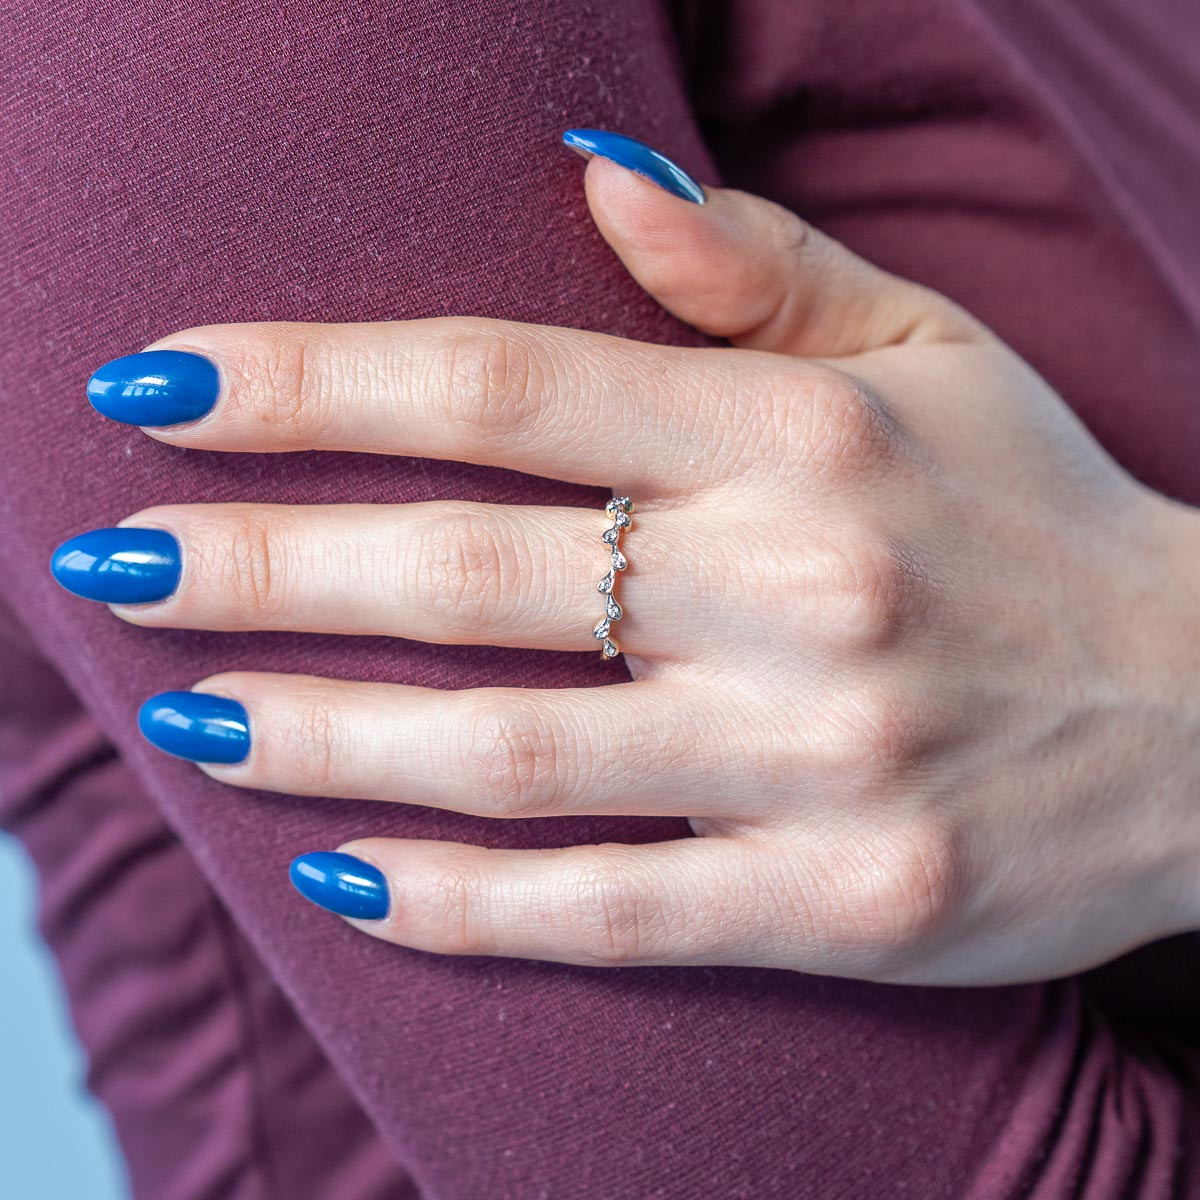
pixel 449 572
pixel 742 268
pixel 649 748
pixel 558 403
pixel 698 900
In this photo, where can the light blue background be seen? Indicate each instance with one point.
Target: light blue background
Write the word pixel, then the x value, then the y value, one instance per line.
pixel 55 1140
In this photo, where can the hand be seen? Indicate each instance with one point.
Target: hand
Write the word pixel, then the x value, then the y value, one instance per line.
pixel 912 655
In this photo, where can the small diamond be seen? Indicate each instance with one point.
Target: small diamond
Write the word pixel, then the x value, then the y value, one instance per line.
pixel 601 630
pixel 606 584
pixel 621 519
pixel 610 535
pixel 610 649
pixel 613 609
pixel 619 561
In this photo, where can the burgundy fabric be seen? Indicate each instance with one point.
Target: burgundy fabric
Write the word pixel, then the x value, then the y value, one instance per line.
pixel 216 1088
pixel 177 163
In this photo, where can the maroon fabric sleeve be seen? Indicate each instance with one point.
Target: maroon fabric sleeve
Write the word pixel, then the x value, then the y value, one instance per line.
pixel 180 163
pixel 214 1086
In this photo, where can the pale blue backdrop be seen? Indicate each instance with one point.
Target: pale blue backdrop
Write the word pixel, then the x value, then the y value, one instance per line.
pixel 55 1140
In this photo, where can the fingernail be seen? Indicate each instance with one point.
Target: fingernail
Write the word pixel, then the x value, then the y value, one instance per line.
pixel 196 726
pixel 341 883
pixel 636 157
pixel 156 387
pixel 119 566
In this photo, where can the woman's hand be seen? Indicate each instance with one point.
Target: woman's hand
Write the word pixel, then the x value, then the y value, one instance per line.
pixel 913 656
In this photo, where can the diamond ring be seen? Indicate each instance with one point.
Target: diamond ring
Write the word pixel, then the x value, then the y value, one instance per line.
pixel 618 508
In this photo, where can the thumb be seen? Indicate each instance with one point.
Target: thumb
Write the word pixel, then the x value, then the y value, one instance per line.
pixel 741 268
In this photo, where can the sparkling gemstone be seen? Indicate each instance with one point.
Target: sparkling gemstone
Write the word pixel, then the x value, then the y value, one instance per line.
pixel 606 584
pixel 611 535
pixel 621 519
pixel 613 609
pixel 610 649
pixel 601 630
pixel 619 561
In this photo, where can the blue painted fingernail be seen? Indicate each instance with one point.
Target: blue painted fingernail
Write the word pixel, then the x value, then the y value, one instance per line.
pixel 156 387
pixel 636 157
pixel 341 883
pixel 119 566
pixel 196 726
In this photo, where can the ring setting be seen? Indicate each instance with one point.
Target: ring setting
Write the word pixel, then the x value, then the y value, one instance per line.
pixel 619 509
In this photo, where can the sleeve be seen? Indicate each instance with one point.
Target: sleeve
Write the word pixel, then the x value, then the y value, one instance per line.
pixel 214 1086
pixel 197 164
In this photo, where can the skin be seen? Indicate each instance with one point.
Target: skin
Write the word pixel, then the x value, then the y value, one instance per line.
pixel 931 717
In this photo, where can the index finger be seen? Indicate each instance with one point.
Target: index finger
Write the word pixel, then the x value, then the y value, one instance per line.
pixel 560 403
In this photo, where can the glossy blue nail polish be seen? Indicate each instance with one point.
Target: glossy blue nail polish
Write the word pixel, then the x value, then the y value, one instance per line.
pixel 119 566
pixel 341 883
pixel 156 387
pixel 636 157
pixel 196 726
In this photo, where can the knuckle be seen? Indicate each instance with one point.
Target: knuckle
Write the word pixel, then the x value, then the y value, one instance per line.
pixel 454 900
pixel 837 425
pixel 788 235
pixel 515 760
pixel 857 590
pixel 467 568
pixel 316 744
pixel 868 589
pixel 247 568
pixel 870 735
pixel 900 890
pixel 491 381
pixel 616 917
pixel 290 385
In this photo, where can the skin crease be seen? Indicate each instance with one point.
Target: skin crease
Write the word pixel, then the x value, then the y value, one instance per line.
pixel 933 721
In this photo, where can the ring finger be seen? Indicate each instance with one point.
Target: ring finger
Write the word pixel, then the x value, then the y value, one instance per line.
pixel 641 748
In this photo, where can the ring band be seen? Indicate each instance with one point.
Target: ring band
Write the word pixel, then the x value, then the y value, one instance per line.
pixel 618 508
